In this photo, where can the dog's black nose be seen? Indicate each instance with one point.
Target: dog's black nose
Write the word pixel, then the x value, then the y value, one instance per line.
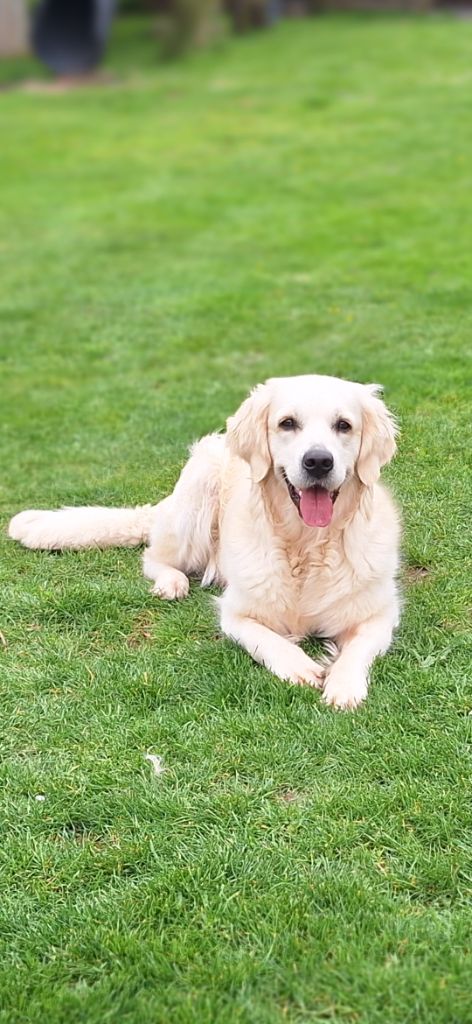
pixel 317 462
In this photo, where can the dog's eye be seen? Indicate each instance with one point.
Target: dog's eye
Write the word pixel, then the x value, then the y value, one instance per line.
pixel 342 426
pixel 288 423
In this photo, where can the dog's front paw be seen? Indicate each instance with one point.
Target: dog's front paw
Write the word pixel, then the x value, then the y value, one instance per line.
pixel 344 689
pixel 302 670
pixel 171 585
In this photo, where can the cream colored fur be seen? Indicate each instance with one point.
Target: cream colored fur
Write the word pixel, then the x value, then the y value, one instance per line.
pixel 231 520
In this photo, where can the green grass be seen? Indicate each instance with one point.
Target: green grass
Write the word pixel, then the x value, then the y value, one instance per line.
pixel 293 201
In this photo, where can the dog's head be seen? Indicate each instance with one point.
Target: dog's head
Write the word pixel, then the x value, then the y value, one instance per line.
pixel 316 434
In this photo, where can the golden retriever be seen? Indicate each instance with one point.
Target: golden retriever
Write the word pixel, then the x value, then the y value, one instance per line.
pixel 286 514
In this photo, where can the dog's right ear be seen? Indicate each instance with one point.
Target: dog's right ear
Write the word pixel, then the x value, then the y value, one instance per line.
pixel 247 432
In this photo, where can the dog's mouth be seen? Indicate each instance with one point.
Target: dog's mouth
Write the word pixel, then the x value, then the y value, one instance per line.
pixel 314 504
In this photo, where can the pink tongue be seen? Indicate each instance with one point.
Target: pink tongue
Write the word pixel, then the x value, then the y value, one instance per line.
pixel 316 506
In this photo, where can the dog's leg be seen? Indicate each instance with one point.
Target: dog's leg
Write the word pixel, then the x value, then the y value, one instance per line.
pixel 184 530
pixel 162 560
pixel 281 656
pixel 348 678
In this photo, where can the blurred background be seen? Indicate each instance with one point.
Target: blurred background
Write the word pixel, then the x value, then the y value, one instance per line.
pixel 198 195
pixel 70 38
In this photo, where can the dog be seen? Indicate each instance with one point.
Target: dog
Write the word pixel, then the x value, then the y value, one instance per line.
pixel 286 514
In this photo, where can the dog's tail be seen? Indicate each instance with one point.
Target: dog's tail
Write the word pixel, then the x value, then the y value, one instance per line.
pixel 76 528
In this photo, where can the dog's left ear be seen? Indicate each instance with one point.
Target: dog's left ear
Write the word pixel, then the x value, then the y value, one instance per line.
pixel 379 431
pixel 247 432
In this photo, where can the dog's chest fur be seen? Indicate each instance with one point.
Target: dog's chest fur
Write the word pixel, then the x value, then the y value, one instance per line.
pixel 297 585
pixel 298 580
pixel 310 588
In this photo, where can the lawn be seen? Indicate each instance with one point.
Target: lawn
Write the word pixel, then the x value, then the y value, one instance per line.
pixel 295 201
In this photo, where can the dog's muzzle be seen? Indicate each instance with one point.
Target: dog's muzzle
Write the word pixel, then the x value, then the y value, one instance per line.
pixel 314 504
